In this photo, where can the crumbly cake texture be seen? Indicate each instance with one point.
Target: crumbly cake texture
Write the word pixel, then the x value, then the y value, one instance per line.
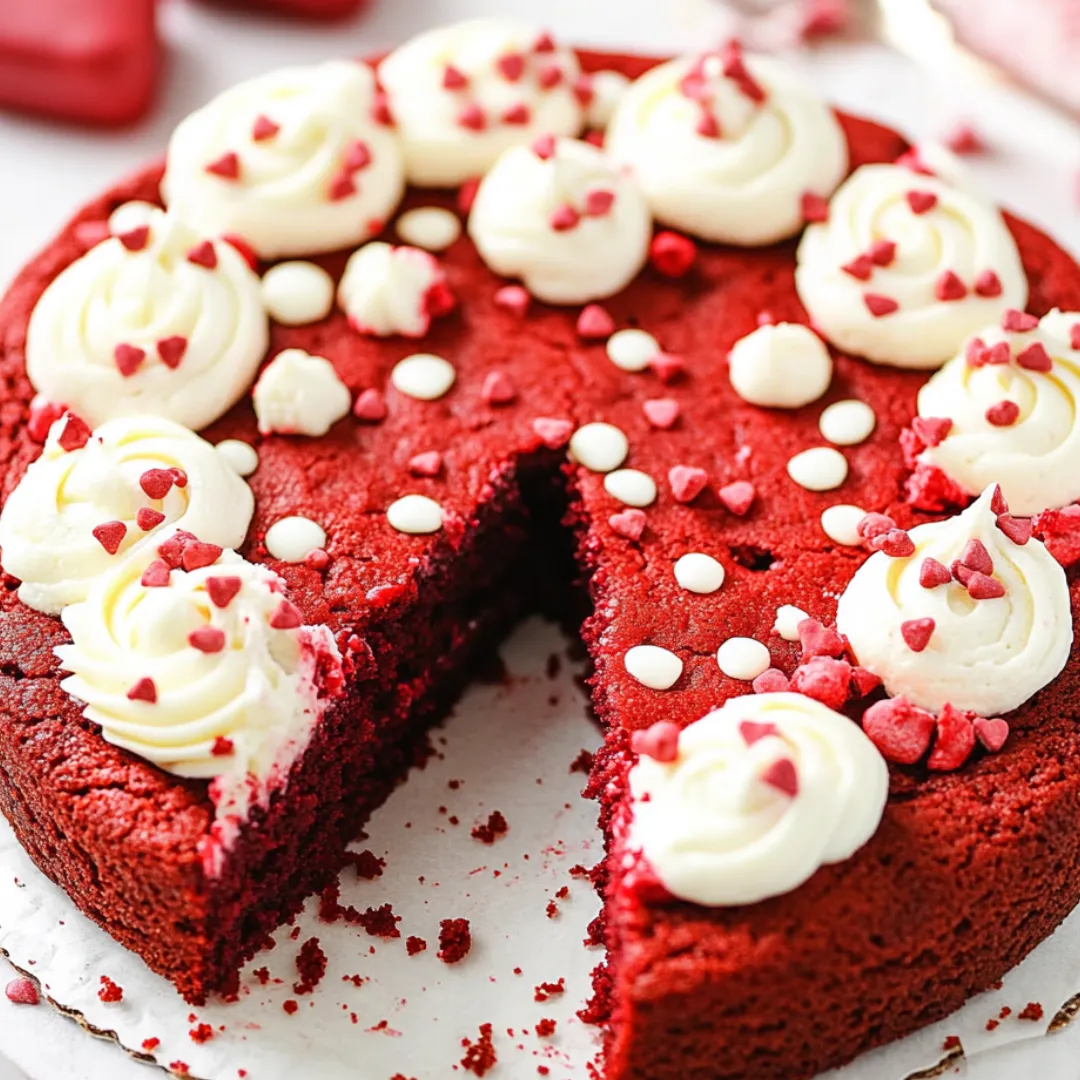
pixel 968 870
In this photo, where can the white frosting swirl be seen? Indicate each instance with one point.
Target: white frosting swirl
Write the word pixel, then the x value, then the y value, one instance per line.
pixel 313 171
pixel 46 527
pixel 392 290
pixel 464 93
pixel 1035 459
pixel 241 705
pixel 959 233
pixel 568 224
pixel 986 656
pixel 201 329
pixel 742 180
pixel 716 833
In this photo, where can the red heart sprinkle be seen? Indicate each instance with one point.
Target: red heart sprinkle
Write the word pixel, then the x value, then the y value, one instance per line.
pixel 380 110
pixel 264 128
pixel 472 118
pixel 771 681
pixel 171 350
pixel 179 477
pixel 513 298
pixel 955 740
pixel 933 573
pixel 75 434
pixel 135 239
pixel 544 43
pixel 964 139
pixel 751 730
pixel 156 483
pixel 921 201
pixel 672 254
pixel 816 639
pixel 661 412
pixel 872 525
pixel 110 535
pixel 824 679
pixel 976 557
pixel 207 639
pixel 198 554
pixel 738 497
pixel 782 775
pixel 342 186
pixel 497 388
pixel 128 358
pixel 882 252
pixel 815 208
pixel 203 254
pixel 707 126
pixel 172 550
pixel 370 406
pixel 988 284
pixel 1074 336
pixel 22 992
pixel 221 747
pixel 358 156
pixel 1018 530
pixel 628 523
pixel 143 690
pixel 659 742
pixel 227 166
pixel 221 590
pixel 516 114
pixel 1018 322
pixel 156 575
pixel 687 482
pixel 511 66
pixel 317 559
pixel 599 202
pixel 583 90
pixel 949 287
pixel 544 147
pixel 428 463
pixel 286 617
pixel 864 681
pixel 1003 414
pixel 982 587
pixel 895 543
pixel 932 430
pixel 666 366
pixel 991 733
pixel 861 268
pixel 594 322
pixel 453 79
pixel 549 76
pixel 564 218
pixel 147 518
pixel 554 434
pixel 899 730
pixel 1035 358
pixel 880 306
pixel 917 633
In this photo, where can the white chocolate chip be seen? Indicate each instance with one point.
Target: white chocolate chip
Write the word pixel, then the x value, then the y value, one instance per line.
pixel 607 89
pixel 240 456
pixel 429 227
pixel 743 658
pixel 599 447
pixel 423 376
pixel 841 523
pixel 630 486
pixel 847 423
pixel 293 539
pixel 787 622
pixel 781 365
pixel 819 469
pixel 415 514
pixel 652 666
pixel 297 293
pixel 698 573
pixel 631 350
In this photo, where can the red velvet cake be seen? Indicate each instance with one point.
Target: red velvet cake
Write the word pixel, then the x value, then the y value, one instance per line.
pixel 777 900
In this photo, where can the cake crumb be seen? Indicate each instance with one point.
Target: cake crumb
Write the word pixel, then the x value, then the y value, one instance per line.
pixel 583 763
pixel 455 940
pixel 380 922
pixel 415 945
pixel 545 1028
pixel 151 1044
pixel 110 992
pixel 992 1025
pixel 367 864
pixel 262 974
pixel 180 1067
pixel 952 1042
pixel 201 1034
pixel 480 1055
pixel 563 893
pixel 552 910
pixel 1031 1011
pixel 290 1006
pixel 490 831
pixel 1005 1012
pixel 311 963
pixel 548 990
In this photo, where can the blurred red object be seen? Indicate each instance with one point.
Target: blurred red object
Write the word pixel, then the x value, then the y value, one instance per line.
pixel 88 60
pixel 312 9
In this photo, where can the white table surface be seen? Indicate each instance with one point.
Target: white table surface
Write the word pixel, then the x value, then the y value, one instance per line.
pixel 48 170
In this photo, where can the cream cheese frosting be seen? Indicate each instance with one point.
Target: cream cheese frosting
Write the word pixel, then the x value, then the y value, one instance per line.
pixel 562 218
pixel 155 320
pixel 299 394
pixel 761 793
pixel 292 162
pixel 908 265
pixel 1000 624
pixel 1036 456
pixel 136 480
pixel 725 148
pixel 462 94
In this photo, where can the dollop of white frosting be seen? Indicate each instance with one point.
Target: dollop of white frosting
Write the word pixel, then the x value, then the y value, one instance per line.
pixel 388 290
pixel 240 705
pixel 47 525
pixel 782 365
pixel 462 94
pixel 299 394
pixel 313 170
pixel 563 219
pixel 949 228
pixel 717 163
pixel 124 332
pixel 986 656
pixel 716 833
pixel 1035 459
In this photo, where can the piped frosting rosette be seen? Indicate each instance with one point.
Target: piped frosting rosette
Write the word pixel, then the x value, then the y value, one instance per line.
pixel 292 162
pixel 205 672
pixel 93 502
pixel 462 94
pixel 908 265
pixel 154 320
pixel 755 797
pixel 1006 410
pixel 971 617
pixel 561 217
pixel 726 147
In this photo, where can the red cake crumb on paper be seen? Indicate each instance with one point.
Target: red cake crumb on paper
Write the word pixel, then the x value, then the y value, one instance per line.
pixel 548 990
pixel 992 1025
pixel 151 1044
pixel 262 974
pixel 480 1055
pixel 367 864
pixel 545 1028
pixel 952 1042
pixel 290 1006
pixel 311 963
pixel 583 763
pixel 552 910
pixel 492 829
pixel 110 992
pixel 455 940
pixel 378 922
pixel 414 945
pixel 22 992
pixel 201 1033
pixel 1031 1011
pixel 180 1067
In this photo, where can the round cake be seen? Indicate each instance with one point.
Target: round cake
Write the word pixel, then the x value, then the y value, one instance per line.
pixel 782 406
